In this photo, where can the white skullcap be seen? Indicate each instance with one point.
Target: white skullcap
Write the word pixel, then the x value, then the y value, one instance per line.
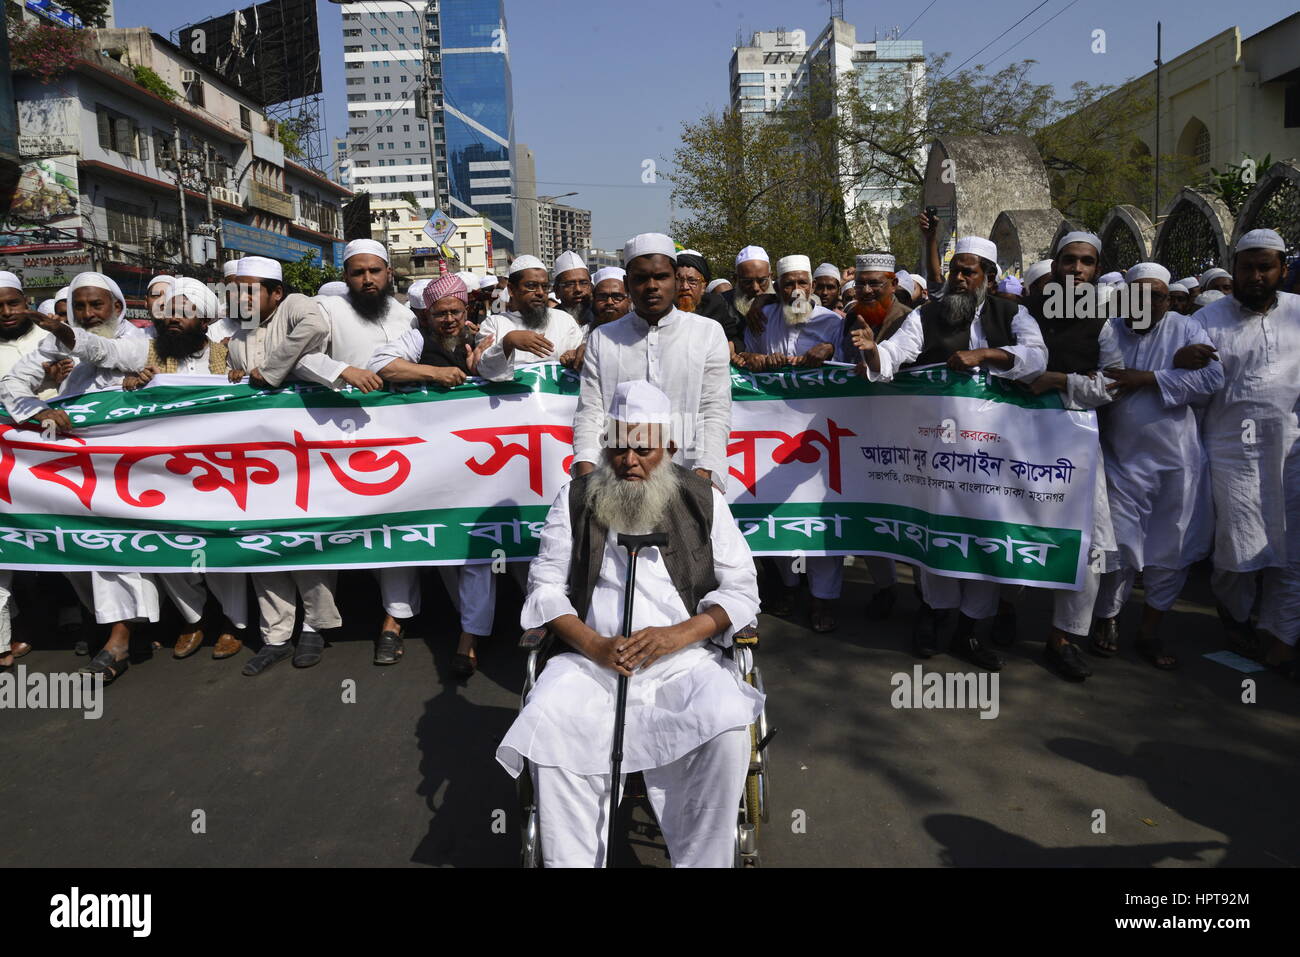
pixel 229 268
pixel 977 246
pixel 1191 282
pixel 851 284
pixel 752 254
pixel 793 264
pixel 203 298
pixel 609 272
pixel 468 278
pixel 1210 275
pixel 875 262
pixel 1037 271
pixel 1261 239
pixel 170 280
pixel 1080 236
pixel 566 262
pixel 1148 271
pixel 1111 279
pixel 260 267
pixel 649 244
pixel 63 293
pixel 525 262
pixel 415 294
pixel 716 283
pixel 692 252
pixel 637 402
pixel 334 288
pixel 828 269
pixel 364 247
pixel 9 281
pixel 553 297
pixel 1178 287
pixel 99 281
pixel 907 281
pixel 46 308
pixel 1209 296
pixel 487 282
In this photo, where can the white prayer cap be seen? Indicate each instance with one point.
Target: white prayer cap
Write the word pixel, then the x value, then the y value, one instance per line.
pixel 977 246
pixel 906 281
pixel 567 261
pixel 204 300
pixel 637 402
pixel 46 308
pixel 1011 284
pixel 851 284
pixel 468 278
pixel 1148 271
pixel 609 272
pixel 488 282
pixel 63 293
pixel 1178 287
pixel 1261 239
pixel 1209 296
pixel 229 267
pixel 415 294
pixel 553 297
pixel 1210 275
pixel 169 280
pixel 828 269
pixel 793 264
pixel 260 267
pixel 1111 279
pixel 649 244
pixel 525 262
pixel 875 262
pixel 9 281
pixel 364 247
pixel 334 288
pixel 752 254
pixel 692 252
pixel 99 281
pixel 1080 236
pixel 1191 282
pixel 1037 271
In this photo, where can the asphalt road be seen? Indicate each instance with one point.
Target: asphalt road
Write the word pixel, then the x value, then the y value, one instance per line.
pixel 285 771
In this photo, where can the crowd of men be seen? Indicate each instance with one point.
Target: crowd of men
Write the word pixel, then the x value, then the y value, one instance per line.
pixel 1197 395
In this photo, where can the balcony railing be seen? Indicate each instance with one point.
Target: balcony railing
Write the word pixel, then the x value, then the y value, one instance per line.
pixel 269 199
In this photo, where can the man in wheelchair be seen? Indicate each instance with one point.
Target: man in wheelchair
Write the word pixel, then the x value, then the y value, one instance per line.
pixel 688 711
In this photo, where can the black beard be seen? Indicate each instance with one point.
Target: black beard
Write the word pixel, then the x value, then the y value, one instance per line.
pixel 371 306
pixel 18 331
pixel 179 345
pixel 1256 302
pixel 534 317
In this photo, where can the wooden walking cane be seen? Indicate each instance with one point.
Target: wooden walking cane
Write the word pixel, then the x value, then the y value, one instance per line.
pixel 633 544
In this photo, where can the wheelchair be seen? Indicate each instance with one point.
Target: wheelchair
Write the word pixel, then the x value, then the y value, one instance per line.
pixel 753 811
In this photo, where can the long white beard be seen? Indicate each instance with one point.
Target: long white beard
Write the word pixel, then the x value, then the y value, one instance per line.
pixel 634 508
pixel 797 312
pixel 106 329
pixel 744 303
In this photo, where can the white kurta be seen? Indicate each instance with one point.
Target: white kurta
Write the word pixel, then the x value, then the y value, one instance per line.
pixel 780 338
pixel 1029 354
pixel 687 357
pixel 559 329
pixel 127 355
pixel 352 339
pixel 1156 470
pixel 1251 431
pixel 679 703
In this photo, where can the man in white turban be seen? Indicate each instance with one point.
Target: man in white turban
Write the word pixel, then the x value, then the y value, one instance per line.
pixel 532 332
pixel 688 710
pixel 965 328
pixel 571 281
pixel 1253 440
pixel 1156 474
pixel 1217 280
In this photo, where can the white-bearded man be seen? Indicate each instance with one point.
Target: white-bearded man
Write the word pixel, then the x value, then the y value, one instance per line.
pixel 688 710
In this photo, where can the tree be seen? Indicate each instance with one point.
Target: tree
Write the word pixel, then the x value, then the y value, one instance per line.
pixel 93 13
pixel 305 278
pixel 1235 183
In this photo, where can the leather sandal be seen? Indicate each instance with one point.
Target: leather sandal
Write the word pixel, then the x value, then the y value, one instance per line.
pixel 388 648
pixel 105 664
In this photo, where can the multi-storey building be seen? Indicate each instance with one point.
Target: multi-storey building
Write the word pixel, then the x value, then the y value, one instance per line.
pixel 562 228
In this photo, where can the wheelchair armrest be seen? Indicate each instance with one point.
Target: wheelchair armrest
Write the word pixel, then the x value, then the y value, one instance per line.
pixel 746 636
pixel 535 638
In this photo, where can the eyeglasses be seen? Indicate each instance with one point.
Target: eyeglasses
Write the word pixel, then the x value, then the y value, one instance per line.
pixel 614 297
pixel 687 281
pixel 574 284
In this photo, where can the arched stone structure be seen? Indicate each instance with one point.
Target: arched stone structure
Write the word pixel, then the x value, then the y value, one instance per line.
pixel 1274 203
pixel 1194 234
pixel 971 179
pixel 1024 236
pixel 1126 238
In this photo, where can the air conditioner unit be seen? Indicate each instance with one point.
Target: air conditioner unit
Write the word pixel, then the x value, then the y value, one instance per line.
pixel 225 195
pixel 189 76
pixel 311 224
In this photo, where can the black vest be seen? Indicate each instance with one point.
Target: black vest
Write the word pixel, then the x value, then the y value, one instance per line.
pixel 434 355
pixel 688 555
pixel 942 340
pixel 1072 344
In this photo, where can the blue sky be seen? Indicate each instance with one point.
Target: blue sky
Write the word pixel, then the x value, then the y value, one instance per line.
pixel 600 88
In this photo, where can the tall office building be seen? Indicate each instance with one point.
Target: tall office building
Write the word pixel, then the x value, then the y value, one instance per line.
pixel 459 156
pixel 562 228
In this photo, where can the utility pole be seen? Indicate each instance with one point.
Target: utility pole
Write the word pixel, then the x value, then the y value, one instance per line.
pixel 177 158
pixel 1155 206
pixel 213 221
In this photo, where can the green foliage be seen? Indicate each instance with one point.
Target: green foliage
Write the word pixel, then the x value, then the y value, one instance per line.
pixel 1235 183
pixel 290 132
pixel 152 82
pixel 305 278
pixel 93 13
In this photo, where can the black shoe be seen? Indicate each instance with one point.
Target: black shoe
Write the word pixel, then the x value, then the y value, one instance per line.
pixel 1006 629
pixel 1241 634
pixel 926 629
pixel 1103 641
pixel 267 656
pixel 881 605
pixel 388 648
pixel 967 646
pixel 311 645
pixel 1066 660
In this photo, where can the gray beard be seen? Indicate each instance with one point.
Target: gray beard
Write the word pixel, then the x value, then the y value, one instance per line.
pixel 743 303
pixel 576 310
pixel 958 308
pixel 633 508
pixel 797 312
pixel 534 317
pixel 452 345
